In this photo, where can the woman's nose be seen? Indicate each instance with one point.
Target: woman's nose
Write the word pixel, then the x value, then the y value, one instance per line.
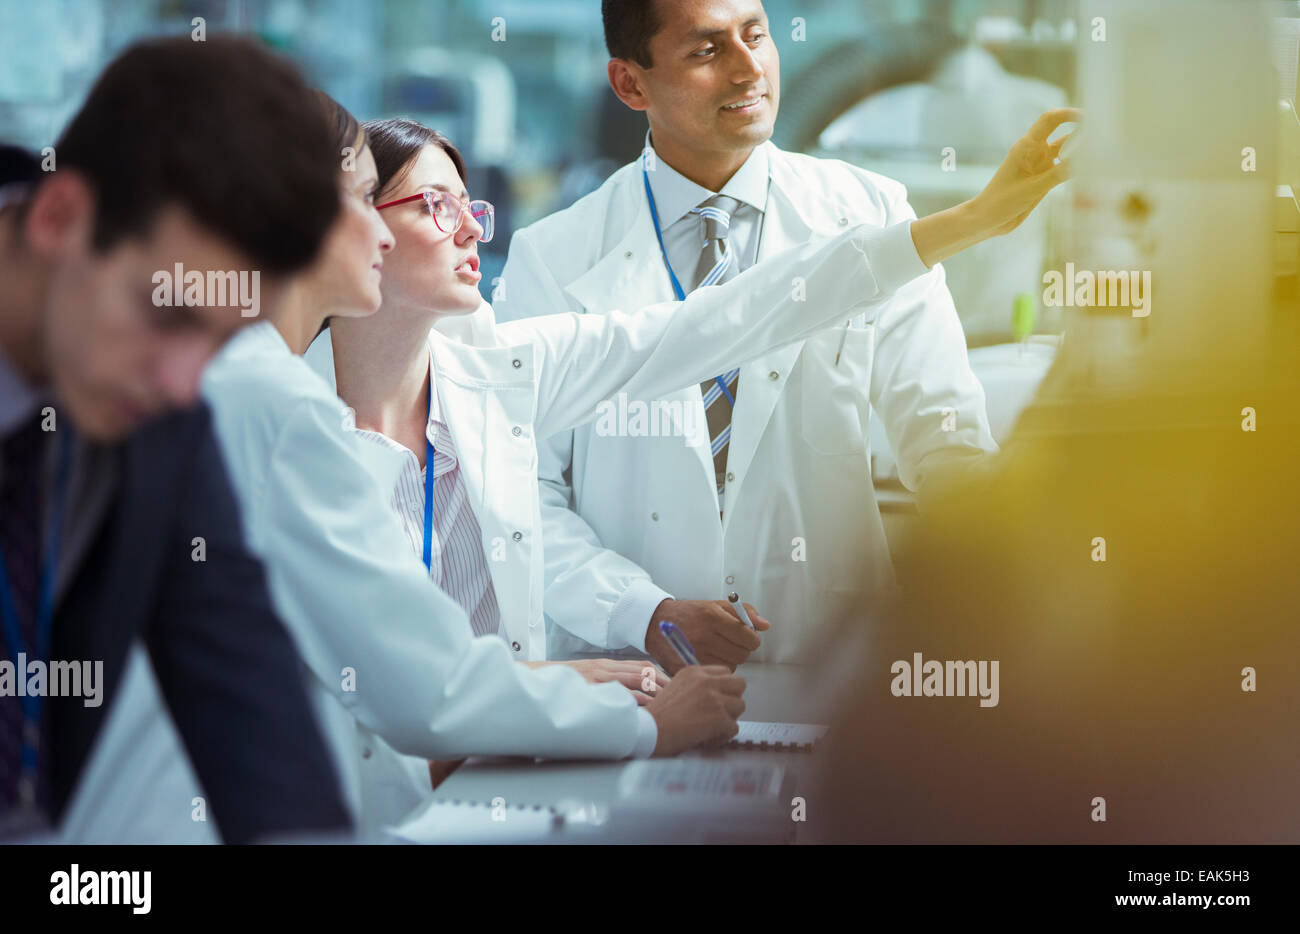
pixel 471 229
pixel 386 239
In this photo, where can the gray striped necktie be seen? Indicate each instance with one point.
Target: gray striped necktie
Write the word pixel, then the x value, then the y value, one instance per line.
pixel 717 265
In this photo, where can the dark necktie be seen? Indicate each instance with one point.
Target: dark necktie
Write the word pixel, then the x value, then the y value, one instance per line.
pixel 20 537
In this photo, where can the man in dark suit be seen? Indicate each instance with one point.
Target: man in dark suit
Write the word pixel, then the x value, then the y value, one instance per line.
pixel 209 162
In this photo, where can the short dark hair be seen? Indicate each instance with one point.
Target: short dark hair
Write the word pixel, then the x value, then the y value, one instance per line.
pixel 629 27
pixel 398 142
pixel 223 129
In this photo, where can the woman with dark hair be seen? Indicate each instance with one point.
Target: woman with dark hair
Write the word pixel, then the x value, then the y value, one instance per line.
pixel 402 148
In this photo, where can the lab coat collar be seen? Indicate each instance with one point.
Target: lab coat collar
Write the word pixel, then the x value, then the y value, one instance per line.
pixel 462 376
pixel 477 329
pixel 634 266
pixel 474 367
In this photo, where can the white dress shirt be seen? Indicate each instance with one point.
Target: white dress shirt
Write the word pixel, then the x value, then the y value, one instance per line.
pixel 676 197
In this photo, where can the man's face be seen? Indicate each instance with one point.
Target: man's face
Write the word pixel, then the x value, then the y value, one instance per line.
pixel 710 56
pixel 113 355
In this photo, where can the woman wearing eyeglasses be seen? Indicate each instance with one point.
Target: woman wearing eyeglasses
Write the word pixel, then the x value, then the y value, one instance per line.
pixel 424 196
pixel 433 379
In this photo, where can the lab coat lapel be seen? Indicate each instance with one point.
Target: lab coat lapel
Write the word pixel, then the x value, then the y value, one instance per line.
pixel 483 394
pixel 467 378
pixel 631 276
pixel 783 227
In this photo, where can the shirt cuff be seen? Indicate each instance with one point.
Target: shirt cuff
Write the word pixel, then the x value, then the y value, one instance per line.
pixel 891 254
pixel 630 618
pixel 647 735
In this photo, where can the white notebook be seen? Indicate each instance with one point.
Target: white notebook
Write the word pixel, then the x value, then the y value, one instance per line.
pixel 691 799
pixel 753 733
pixel 453 822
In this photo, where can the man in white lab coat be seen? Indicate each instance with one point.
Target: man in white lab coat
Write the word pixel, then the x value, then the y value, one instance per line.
pixel 775 502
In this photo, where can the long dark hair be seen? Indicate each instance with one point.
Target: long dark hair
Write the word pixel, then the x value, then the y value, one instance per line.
pixel 397 142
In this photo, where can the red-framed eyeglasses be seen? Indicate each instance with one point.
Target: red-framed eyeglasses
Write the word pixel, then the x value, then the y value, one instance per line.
pixel 448 211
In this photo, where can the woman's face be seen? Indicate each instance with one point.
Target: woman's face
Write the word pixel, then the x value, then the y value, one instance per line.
pixel 431 269
pixel 348 270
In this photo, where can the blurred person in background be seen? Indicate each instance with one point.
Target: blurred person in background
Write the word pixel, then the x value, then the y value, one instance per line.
pixel 110 477
pixel 1149 697
pixel 1129 563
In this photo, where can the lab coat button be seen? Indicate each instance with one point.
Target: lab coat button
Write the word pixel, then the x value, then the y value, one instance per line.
pixel 843 221
pixel 730 476
pixel 516 431
pixel 516 364
pixel 731 579
pixel 365 753
pixel 654 516
pixel 518 536
pixel 774 375
pixel 515 646
pixel 627 255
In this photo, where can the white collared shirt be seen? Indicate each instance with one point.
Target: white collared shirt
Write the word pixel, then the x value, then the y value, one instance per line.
pixel 676 197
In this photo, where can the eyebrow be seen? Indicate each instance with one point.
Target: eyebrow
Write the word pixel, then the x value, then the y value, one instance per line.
pixel 706 33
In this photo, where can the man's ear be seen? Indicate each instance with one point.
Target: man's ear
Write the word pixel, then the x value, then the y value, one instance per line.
pixel 626 79
pixel 60 214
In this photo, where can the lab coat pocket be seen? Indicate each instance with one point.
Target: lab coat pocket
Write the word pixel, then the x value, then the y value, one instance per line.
pixel 834 406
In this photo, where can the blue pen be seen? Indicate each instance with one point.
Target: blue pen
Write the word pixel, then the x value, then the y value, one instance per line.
pixel 677 639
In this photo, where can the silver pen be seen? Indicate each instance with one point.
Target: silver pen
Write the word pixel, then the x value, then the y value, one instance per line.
pixel 740 608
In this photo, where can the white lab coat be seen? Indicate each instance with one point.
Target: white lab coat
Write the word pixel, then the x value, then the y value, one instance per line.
pixel 801 537
pixel 397 676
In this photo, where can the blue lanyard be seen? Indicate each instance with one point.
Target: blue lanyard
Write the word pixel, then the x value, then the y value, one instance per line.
pixel 32 703
pixel 677 286
pixel 428 487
